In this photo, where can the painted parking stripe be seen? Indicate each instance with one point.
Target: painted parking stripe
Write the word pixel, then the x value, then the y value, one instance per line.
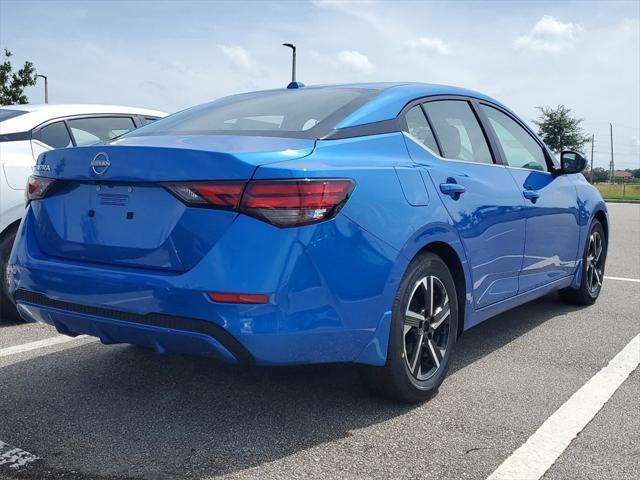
pixel 14 458
pixel 47 342
pixel 537 454
pixel 622 279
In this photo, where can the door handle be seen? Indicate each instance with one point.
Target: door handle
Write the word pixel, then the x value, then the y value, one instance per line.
pixel 454 190
pixel 532 195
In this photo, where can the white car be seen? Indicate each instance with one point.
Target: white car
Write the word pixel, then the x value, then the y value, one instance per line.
pixel 28 130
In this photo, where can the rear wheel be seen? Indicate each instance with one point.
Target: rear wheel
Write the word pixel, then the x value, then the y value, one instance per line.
pixel 593 261
pixel 423 333
pixel 7 307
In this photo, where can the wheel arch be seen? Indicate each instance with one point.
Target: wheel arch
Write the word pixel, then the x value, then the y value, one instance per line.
pixel 451 258
pixel 601 216
pixel 13 226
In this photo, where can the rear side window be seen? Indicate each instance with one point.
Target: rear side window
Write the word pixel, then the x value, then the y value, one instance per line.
pixel 419 128
pixel 54 135
pixel 7 114
pixel 300 113
pixel 519 147
pixel 458 131
pixel 89 131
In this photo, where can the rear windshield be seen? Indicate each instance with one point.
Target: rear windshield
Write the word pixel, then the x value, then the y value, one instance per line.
pixel 6 114
pixel 299 113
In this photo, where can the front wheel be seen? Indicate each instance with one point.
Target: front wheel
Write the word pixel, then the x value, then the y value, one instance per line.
pixel 423 333
pixel 593 261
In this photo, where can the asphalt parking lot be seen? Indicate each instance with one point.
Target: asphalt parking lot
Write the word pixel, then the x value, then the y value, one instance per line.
pixel 88 411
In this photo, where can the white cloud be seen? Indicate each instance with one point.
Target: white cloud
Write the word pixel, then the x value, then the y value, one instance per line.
pixel 434 46
pixel 549 35
pixel 355 61
pixel 239 57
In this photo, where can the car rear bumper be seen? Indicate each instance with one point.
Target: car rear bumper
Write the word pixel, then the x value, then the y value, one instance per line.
pixel 318 310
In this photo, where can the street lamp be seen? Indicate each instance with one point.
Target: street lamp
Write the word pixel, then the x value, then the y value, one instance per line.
pixel 293 63
pixel 46 87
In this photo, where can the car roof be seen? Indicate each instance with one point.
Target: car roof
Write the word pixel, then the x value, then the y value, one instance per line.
pixel 389 101
pixel 40 113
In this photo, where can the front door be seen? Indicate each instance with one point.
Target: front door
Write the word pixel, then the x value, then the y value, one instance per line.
pixel 551 246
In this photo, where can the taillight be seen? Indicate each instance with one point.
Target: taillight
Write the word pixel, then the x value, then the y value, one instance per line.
pixel 284 203
pixel 289 203
pixel 210 194
pixel 37 188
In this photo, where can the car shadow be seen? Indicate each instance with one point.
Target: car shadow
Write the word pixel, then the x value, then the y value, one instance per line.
pixel 124 412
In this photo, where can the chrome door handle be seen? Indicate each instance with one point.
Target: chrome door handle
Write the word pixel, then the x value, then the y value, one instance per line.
pixel 454 190
pixel 532 195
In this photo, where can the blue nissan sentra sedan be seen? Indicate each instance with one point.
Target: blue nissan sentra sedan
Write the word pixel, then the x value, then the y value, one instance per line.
pixel 368 223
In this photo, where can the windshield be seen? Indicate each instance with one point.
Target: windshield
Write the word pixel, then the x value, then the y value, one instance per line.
pixel 300 113
pixel 6 114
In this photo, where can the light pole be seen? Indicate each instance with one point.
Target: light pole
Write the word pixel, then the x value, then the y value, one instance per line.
pixel 293 62
pixel 46 87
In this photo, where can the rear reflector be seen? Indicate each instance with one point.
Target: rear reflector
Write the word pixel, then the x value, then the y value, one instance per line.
pixel 284 203
pixel 37 188
pixel 238 297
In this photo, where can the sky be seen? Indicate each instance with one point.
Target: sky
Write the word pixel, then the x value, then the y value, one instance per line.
pixel 169 55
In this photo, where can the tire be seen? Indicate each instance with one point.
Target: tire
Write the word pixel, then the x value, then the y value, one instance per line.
pixel 408 377
pixel 8 310
pixel 593 262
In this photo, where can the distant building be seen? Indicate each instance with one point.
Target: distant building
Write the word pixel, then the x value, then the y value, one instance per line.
pixel 622 175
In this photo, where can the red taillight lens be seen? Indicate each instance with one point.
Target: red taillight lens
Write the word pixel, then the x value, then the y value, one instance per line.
pixel 238 297
pixel 288 203
pixel 37 188
pixel 284 203
pixel 211 194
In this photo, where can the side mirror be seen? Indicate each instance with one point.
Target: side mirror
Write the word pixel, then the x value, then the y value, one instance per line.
pixel 572 162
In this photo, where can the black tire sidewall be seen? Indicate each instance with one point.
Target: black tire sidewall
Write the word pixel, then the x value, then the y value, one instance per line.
pixel 7 306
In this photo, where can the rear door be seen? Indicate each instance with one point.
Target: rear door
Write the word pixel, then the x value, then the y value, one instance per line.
pixel 551 246
pixel 479 195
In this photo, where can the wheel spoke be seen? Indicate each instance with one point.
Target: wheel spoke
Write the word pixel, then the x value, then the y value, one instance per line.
pixel 431 306
pixel 413 319
pixel 441 315
pixel 596 276
pixel 436 354
pixel 417 353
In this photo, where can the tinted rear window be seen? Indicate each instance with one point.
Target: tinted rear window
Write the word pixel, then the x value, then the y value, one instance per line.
pixel 6 114
pixel 303 113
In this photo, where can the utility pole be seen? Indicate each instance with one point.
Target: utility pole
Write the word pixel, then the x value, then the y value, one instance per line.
pixel 593 137
pixel 611 166
pixel 46 87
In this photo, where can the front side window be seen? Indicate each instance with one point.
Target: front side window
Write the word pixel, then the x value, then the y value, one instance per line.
pixel 54 135
pixel 419 128
pixel 519 147
pixel 458 130
pixel 300 113
pixel 89 131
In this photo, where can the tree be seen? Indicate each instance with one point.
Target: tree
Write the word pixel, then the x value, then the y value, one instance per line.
pixel 560 130
pixel 12 84
pixel 636 173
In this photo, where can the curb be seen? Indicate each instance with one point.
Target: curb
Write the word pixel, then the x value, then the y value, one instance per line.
pixel 617 200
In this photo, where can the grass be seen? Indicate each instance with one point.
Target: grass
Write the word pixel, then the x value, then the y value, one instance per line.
pixel 619 191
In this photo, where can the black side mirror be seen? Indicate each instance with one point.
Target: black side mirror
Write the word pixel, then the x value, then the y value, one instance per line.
pixel 572 162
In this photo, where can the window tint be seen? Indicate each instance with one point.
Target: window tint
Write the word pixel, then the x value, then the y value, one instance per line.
pixel 458 131
pixel 296 113
pixel 519 147
pixel 55 135
pixel 89 131
pixel 418 127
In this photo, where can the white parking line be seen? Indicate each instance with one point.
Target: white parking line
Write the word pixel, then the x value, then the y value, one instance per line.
pixel 13 457
pixel 622 279
pixel 47 342
pixel 537 454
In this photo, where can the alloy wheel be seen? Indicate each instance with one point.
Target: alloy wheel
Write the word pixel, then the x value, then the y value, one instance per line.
pixel 595 263
pixel 426 327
